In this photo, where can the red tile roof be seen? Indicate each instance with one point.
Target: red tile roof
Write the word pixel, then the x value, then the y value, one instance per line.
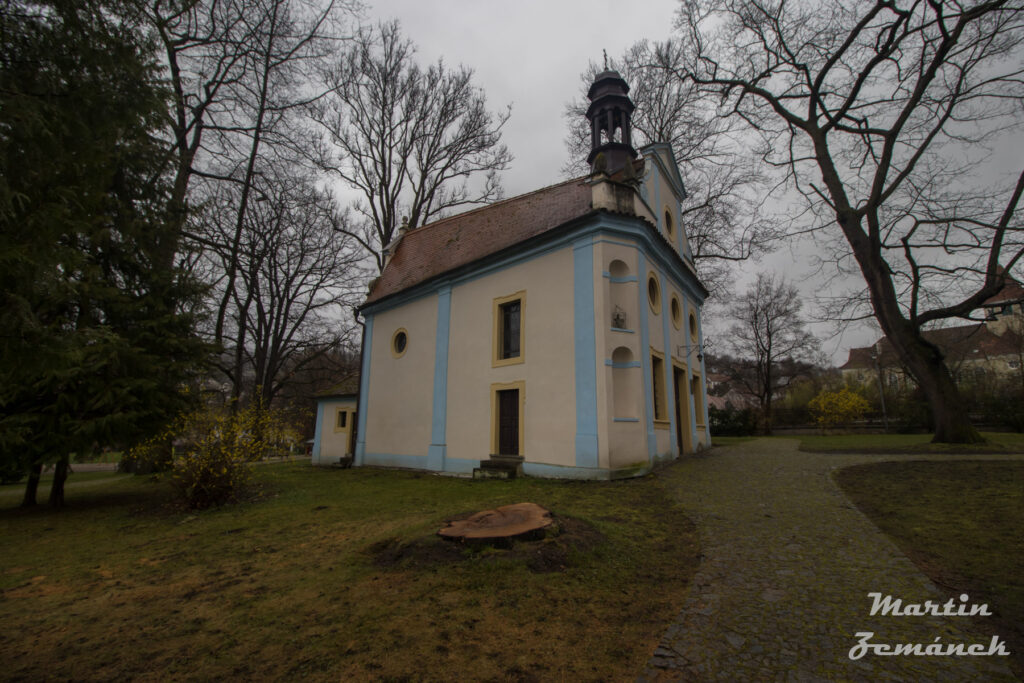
pixel 967 342
pixel 452 242
pixel 1011 292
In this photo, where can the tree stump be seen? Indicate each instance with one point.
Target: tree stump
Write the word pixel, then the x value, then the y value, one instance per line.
pixel 504 524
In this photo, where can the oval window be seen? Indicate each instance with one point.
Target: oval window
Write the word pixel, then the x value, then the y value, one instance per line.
pixel 654 293
pixel 693 327
pixel 677 312
pixel 399 342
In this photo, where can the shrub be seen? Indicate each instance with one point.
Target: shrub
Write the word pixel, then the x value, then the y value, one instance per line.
pixel 150 457
pixel 833 408
pixel 207 453
pixel 732 422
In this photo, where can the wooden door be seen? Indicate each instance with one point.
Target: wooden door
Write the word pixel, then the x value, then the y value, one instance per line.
pixel 508 422
pixel 683 435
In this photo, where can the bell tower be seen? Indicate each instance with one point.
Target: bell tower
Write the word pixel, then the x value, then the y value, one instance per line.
pixel 611 145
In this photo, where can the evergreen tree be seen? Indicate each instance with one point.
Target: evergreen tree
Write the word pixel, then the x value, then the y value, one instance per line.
pixel 95 337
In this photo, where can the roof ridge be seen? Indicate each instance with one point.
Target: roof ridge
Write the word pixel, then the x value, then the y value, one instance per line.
pixel 470 212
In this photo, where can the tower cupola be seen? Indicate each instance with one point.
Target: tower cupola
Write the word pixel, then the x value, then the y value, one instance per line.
pixel 609 112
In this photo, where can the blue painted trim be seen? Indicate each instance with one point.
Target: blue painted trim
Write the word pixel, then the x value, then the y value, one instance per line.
pixel 682 278
pixel 689 371
pixel 658 213
pixel 670 395
pixel 585 353
pixel 622 226
pixel 619 280
pixel 625 419
pixel 363 406
pixel 703 375
pixel 621 329
pixel 415 462
pixel 645 359
pixel 438 446
pixel 536 469
pixel 460 465
pixel 319 430
pixel 629 364
pixel 605 273
pixel 678 217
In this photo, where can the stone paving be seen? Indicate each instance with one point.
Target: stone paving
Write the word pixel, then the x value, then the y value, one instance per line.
pixel 787 565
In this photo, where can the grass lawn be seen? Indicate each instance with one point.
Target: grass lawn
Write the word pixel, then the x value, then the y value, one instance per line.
pixel 998 442
pixel 960 522
pixel 337 574
pixel 730 440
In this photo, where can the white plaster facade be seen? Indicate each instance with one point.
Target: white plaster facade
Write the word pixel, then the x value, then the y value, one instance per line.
pixel 591 405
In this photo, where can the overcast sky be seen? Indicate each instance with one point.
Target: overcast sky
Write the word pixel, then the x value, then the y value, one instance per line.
pixel 530 54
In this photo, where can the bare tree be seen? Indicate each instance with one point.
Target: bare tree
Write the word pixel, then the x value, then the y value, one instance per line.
pixel 204 43
pixel 287 37
pixel 408 140
pixel 879 113
pixel 295 280
pixel 723 216
pixel 771 346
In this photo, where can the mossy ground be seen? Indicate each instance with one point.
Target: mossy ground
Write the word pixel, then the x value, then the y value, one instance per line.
pixel 960 521
pixel 996 442
pixel 337 574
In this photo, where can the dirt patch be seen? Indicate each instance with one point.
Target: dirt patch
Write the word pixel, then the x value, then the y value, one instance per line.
pixel 555 552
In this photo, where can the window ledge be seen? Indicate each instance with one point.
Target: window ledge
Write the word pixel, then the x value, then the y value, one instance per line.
pixel 622 329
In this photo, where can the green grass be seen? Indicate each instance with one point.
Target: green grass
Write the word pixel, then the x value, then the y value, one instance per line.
pixel 337 575
pixel 75 479
pixel 998 442
pixel 960 521
pixel 730 440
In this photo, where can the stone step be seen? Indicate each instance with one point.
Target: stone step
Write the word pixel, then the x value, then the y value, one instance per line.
pixel 499 467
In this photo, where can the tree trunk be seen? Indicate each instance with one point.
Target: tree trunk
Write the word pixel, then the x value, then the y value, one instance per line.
pixel 926 364
pixel 60 475
pixel 32 486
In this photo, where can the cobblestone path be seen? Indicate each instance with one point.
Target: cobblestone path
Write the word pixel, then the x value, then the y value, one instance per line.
pixel 783 583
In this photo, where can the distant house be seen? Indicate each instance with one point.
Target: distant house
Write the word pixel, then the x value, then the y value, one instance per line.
pixel 557 333
pixel 993 349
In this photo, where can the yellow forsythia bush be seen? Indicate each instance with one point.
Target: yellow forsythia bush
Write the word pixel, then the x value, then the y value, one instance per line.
pixel 213 449
pixel 832 408
pixel 212 466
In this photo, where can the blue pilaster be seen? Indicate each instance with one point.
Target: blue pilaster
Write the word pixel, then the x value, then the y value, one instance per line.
pixel 439 420
pixel 364 390
pixel 670 394
pixel 585 353
pixel 319 429
pixel 645 356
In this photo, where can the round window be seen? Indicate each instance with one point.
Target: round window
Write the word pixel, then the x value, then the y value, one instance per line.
pixel 677 312
pixel 654 293
pixel 399 342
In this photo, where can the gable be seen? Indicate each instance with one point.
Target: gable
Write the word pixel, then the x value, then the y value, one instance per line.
pixel 660 153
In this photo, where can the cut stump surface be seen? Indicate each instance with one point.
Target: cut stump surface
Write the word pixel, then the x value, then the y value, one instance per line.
pixel 506 522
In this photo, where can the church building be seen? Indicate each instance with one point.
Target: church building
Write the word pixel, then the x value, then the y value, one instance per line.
pixel 553 334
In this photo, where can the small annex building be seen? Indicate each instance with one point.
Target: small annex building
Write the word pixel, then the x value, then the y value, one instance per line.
pixel 334 439
pixel 557 332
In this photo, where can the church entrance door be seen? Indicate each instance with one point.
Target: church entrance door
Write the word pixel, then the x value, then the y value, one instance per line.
pixel 681 388
pixel 508 422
